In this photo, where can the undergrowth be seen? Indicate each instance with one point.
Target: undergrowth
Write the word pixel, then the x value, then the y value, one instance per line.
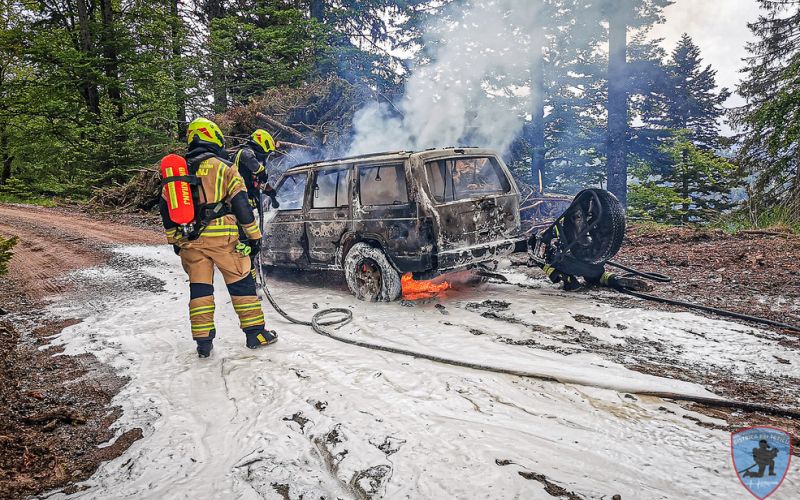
pixel 27 199
pixel 777 218
pixel 6 245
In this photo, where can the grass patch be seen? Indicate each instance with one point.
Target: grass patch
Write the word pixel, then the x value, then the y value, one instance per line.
pixel 28 200
pixel 777 218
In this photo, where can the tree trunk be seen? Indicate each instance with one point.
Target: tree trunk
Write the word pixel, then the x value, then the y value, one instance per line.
pixel 88 88
pixel 108 39
pixel 5 174
pixel 617 169
pixel 318 10
pixel 685 185
pixel 177 72
pixel 537 105
pixel 215 10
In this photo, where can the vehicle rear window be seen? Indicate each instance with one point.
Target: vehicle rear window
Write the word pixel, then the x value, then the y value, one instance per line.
pixel 383 185
pixel 330 189
pixel 291 191
pixel 456 179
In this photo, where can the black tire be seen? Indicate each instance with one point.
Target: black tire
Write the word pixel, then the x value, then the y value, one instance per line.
pixel 603 241
pixel 370 276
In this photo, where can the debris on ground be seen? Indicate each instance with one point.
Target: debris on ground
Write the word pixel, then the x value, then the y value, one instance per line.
pixel 55 410
pixel 756 274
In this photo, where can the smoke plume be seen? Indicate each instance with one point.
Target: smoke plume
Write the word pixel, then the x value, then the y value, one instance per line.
pixel 472 90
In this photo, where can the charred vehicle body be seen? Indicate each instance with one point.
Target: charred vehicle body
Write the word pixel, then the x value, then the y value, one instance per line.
pixel 379 216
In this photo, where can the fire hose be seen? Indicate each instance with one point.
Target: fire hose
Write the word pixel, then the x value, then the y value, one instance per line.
pixel 321 326
pixel 688 305
pixel 321 323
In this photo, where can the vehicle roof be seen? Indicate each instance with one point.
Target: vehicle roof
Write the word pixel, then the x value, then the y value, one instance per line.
pixel 392 155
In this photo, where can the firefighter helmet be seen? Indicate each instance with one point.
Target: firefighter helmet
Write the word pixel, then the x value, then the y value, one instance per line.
pixel 203 130
pixel 263 141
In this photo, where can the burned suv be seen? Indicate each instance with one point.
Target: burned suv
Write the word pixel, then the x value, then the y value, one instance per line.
pixel 382 215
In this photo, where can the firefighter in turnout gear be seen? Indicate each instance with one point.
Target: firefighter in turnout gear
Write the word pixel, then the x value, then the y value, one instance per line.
pixel 251 161
pixel 221 208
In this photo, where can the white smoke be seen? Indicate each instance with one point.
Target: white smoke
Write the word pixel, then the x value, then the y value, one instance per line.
pixel 470 91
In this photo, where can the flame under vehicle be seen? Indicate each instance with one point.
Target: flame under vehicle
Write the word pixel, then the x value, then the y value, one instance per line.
pixel 378 217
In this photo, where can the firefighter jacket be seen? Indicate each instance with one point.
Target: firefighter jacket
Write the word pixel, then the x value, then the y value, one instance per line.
pixel 219 182
pixel 251 169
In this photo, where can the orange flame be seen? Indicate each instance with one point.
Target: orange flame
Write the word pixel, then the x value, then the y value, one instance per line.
pixel 417 290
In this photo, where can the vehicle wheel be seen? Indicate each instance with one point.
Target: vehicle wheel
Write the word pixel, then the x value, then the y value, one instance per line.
pixel 600 244
pixel 370 276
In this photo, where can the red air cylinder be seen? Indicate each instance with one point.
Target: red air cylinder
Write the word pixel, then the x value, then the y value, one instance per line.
pixel 177 193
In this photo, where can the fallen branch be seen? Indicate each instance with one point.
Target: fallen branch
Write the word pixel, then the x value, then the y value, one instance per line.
pixel 295 145
pixel 279 125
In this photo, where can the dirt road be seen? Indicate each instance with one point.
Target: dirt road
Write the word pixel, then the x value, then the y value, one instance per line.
pixel 54 241
pixel 53 411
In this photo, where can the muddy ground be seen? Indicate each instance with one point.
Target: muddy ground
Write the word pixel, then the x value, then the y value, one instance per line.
pixel 753 272
pixel 54 410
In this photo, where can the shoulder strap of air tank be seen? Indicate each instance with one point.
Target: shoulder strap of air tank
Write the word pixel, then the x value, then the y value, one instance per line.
pixel 189 179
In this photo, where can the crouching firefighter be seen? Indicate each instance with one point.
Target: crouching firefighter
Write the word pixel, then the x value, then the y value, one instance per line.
pixel 201 204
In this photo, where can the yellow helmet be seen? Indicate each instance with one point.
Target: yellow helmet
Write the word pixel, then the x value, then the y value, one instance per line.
pixel 263 140
pixel 204 130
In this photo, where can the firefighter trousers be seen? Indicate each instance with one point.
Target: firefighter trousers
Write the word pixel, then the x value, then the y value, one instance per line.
pixel 239 275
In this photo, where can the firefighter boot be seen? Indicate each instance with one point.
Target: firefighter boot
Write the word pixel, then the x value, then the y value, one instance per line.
pixel 261 338
pixel 205 345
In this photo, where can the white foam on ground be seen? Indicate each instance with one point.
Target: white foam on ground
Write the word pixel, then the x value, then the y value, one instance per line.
pixel 394 426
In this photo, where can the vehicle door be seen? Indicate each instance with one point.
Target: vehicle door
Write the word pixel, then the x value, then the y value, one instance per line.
pixel 328 213
pixel 475 200
pixel 284 227
pixel 386 213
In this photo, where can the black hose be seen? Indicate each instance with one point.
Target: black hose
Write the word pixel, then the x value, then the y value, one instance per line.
pixel 318 325
pixel 661 278
pixel 712 310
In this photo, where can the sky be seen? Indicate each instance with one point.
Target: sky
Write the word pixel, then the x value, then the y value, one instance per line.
pixel 719 28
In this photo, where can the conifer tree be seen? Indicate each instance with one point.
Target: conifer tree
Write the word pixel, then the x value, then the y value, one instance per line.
pixel 770 121
pixel 690 101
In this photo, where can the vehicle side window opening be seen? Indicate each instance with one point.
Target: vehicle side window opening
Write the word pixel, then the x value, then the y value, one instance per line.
pixel 382 185
pixel 291 191
pixel 464 178
pixel 331 189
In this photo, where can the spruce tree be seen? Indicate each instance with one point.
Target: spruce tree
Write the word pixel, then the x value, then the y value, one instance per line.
pixel 770 121
pixel 691 101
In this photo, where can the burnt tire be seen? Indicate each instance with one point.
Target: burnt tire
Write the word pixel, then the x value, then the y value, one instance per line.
pixel 370 276
pixel 606 238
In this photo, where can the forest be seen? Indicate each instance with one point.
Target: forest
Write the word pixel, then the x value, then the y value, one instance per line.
pixel 93 92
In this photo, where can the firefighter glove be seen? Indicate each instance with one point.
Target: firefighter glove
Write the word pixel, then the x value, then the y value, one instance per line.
pixel 255 246
pixel 176 249
pixel 243 249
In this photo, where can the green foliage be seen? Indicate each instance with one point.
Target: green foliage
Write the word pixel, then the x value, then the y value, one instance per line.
pixel 775 217
pixel 265 47
pixel 5 253
pixel 653 203
pixel 83 100
pixel 770 119
pixel 696 189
